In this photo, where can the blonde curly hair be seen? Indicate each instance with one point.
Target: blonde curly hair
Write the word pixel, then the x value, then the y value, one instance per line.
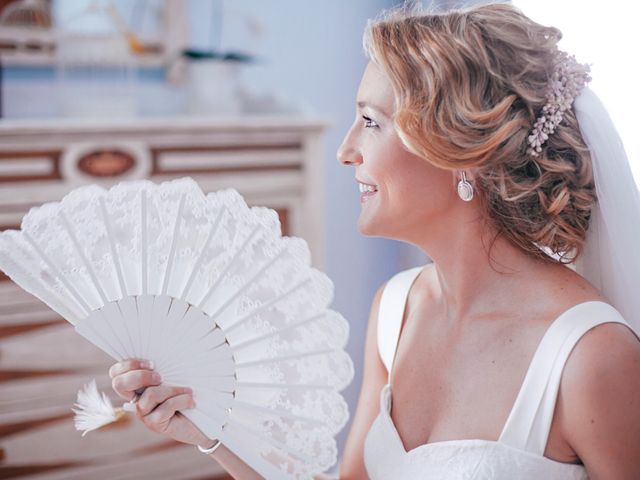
pixel 469 84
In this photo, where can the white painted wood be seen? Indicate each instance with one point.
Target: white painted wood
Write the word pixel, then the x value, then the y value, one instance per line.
pixel 246 158
pixel 23 167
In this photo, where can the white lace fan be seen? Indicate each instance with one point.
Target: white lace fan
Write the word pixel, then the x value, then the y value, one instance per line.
pixel 209 290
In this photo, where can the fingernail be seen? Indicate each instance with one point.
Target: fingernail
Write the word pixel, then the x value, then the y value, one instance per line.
pixel 187 390
pixel 156 377
pixel 147 364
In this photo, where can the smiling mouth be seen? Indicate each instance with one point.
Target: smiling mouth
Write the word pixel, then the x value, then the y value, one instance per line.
pixel 365 188
pixel 366 191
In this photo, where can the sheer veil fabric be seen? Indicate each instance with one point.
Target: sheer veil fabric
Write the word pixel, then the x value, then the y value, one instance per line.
pixel 611 258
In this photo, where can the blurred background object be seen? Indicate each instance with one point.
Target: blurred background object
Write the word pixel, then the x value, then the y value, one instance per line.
pixel 26 14
pixel 95 69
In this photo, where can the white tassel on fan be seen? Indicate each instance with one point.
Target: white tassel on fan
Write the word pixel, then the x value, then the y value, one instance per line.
pixel 93 409
pixel 208 290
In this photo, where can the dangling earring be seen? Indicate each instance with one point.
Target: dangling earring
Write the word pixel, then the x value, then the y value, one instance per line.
pixel 465 189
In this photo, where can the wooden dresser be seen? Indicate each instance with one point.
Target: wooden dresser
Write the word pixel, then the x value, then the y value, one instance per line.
pixel 275 162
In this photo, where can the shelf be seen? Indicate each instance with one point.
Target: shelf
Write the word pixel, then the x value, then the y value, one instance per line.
pixel 33 47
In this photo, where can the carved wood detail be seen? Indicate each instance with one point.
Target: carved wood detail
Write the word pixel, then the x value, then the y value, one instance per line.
pixel 106 163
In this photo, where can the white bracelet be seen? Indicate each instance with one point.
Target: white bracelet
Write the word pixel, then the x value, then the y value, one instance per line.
pixel 211 449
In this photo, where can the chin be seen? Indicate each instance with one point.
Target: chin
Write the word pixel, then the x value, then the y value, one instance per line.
pixel 366 228
pixel 373 228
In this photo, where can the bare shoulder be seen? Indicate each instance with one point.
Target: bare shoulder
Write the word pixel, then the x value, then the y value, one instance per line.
pixel 558 288
pixel 571 285
pixel 599 398
pixel 611 350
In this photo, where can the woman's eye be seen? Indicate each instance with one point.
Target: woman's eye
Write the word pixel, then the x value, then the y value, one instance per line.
pixel 368 123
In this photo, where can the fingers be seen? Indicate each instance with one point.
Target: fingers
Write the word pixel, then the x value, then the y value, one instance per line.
pixel 125 384
pixel 160 418
pixel 129 364
pixel 165 411
pixel 155 396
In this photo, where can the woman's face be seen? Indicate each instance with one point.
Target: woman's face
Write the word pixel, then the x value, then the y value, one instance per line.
pixel 410 196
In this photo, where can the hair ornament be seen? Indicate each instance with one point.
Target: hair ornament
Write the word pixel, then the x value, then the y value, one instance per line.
pixel 567 80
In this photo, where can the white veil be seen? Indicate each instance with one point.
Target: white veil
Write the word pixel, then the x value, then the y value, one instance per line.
pixel 611 258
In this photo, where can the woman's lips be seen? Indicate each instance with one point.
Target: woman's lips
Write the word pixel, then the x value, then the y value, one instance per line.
pixel 365 196
pixel 367 190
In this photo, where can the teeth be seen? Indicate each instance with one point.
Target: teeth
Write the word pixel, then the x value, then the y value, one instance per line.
pixel 367 188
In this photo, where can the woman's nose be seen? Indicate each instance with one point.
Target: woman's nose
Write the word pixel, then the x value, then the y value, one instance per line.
pixel 348 155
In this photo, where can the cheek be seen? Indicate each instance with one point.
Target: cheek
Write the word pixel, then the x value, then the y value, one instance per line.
pixel 422 188
pixel 404 178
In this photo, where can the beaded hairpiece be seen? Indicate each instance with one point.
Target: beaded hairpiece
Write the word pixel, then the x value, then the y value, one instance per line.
pixel 568 78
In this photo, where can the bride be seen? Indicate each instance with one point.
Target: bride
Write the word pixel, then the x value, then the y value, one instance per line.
pixel 476 140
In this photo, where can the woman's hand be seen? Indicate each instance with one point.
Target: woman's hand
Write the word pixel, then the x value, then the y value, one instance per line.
pixel 158 405
pixel 158 408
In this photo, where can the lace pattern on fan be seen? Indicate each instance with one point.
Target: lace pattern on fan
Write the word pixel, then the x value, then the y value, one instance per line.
pixel 179 271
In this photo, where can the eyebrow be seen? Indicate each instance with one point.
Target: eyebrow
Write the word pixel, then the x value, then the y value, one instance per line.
pixel 362 104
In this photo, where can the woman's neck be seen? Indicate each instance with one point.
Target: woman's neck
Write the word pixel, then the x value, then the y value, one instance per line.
pixel 479 273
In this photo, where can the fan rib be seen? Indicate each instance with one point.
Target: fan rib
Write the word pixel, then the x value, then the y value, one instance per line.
pixel 265 336
pixel 208 354
pixel 124 323
pixel 177 311
pixel 266 304
pixel 87 264
pixel 284 385
pixel 272 441
pixel 220 376
pixel 143 238
pixel 214 415
pixel 56 272
pixel 18 271
pixel 278 412
pixel 259 464
pixel 219 356
pixel 284 358
pixel 159 313
pixel 174 241
pixel 112 245
pixel 228 267
pixel 185 368
pixel 129 308
pixel 212 232
pixel 87 328
pixel 145 304
pixel 113 331
pixel 191 317
pixel 247 283
pixel 223 384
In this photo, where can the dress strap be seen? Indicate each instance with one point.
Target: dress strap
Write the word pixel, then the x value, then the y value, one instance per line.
pixel 529 422
pixel 391 312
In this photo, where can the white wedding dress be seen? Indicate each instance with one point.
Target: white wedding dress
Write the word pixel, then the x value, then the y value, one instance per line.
pixel 518 453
